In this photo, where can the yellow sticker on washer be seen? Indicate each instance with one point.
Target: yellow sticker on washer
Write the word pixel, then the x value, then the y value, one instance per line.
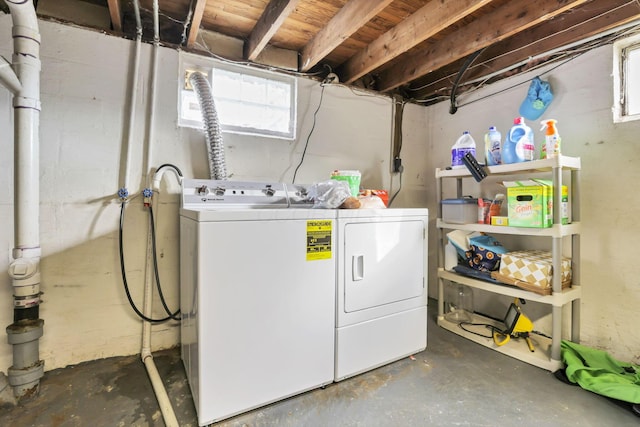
pixel 319 239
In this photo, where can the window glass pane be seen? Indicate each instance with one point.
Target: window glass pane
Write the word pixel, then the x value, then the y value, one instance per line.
pixel 632 80
pixel 246 103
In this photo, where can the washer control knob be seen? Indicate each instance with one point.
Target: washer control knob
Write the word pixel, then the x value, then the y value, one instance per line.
pixel 202 190
pixel 219 191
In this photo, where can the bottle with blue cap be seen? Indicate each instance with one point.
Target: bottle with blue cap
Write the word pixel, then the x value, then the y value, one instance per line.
pixel 518 144
pixel 492 147
pixel 463 145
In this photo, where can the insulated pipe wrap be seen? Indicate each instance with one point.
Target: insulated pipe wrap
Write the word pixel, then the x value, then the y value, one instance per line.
pixel 213 135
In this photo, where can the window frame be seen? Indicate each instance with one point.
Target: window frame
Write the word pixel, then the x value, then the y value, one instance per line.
pixel 206 65
pixel 622 75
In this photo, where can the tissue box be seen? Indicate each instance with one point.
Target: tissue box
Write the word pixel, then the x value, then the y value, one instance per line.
pixel 530 203
pixel 460 211
pixel 533 267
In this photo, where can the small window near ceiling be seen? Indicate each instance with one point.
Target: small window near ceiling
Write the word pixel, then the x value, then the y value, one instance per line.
pixel 626 79
pixel 247 101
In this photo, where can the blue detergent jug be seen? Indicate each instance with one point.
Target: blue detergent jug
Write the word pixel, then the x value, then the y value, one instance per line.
pixel 518 145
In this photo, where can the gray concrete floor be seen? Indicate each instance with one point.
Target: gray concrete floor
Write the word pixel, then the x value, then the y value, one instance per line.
pixel 455 382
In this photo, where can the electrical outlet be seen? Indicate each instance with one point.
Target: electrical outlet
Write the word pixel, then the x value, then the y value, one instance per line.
pixel 397 165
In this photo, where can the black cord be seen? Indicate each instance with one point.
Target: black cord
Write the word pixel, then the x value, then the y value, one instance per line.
pixel 399 188
pixel 526 82
pixel 541 334
pixel 309 136
pixel 467 63
pixel 177 169
pixel 155 268
pixel 124 274
pixel 493 328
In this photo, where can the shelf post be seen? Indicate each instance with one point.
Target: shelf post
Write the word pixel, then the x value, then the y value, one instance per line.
pixel 575 255
pixel 440 247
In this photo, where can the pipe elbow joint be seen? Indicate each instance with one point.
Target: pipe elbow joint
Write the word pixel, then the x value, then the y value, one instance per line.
pixel 145 353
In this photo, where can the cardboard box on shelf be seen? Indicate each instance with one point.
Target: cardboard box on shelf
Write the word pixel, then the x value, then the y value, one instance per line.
pixel 535 268
pixel 530 203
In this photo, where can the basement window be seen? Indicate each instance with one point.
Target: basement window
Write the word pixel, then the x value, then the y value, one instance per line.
pixel 626 85
pixel 252 102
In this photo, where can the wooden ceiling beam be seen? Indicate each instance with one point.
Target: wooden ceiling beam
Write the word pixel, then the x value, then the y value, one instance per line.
pixel 116 15
pixel 354 15
pixel 427 21
pixel 510 19
pixel 572 26
pixel 196 19
pixel 271 20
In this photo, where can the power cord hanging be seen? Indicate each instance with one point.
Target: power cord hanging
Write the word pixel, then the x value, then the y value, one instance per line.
pixel 304 151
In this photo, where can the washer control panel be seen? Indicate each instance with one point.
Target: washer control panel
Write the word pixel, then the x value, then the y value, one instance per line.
pixel 209 193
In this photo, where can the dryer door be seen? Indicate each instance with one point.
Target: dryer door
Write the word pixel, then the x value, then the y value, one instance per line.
pixel 383 264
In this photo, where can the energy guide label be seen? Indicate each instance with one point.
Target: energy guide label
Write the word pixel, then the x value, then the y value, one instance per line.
pixel 319 239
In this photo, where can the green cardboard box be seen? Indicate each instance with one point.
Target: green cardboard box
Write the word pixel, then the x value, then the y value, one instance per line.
pixel 530 203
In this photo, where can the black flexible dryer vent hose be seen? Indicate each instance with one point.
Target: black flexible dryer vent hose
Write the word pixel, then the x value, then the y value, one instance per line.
pixel 465 66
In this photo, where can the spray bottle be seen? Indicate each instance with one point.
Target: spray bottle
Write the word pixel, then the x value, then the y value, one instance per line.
pixel 552 140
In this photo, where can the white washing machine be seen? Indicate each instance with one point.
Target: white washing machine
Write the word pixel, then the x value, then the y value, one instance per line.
pixel 257 297
pixel 381 313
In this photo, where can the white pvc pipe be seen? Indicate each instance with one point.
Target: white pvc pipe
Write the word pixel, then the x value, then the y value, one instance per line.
pixel 134 94
pixel 168 413
pixel 8 77
pixel 24 269
pixel 154 84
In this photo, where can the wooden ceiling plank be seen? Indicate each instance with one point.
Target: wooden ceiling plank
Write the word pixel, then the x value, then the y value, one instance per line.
pixel 564 30
pixel 511 19
pixel 116 15
pixel 272 18
pixel 354 15
pixel 196 19
pixel 427 21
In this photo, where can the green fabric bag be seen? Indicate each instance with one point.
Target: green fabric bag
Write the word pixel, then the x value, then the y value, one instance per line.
pixel 596 371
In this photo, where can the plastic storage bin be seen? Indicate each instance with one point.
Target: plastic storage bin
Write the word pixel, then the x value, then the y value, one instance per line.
pixel 460 211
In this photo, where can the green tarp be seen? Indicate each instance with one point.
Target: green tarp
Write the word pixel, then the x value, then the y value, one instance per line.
pixel 596 371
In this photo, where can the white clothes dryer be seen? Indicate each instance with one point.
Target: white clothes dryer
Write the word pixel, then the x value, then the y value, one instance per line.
pixel 381 287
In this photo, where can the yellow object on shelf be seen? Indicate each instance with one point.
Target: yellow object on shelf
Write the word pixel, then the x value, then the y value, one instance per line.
pixel 500 220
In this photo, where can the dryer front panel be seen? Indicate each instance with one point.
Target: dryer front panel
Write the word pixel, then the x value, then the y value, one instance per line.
pixel 383 263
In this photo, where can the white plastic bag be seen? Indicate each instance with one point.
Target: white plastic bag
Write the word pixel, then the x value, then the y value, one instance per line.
pixel 329 194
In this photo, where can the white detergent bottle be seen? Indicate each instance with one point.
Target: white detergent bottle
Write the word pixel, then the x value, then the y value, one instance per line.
pixel 492 143
pixel 552 140
pixel 519 145
pixel 463 145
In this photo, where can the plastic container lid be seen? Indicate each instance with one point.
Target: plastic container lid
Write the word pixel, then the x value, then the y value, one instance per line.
pixel 462 201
